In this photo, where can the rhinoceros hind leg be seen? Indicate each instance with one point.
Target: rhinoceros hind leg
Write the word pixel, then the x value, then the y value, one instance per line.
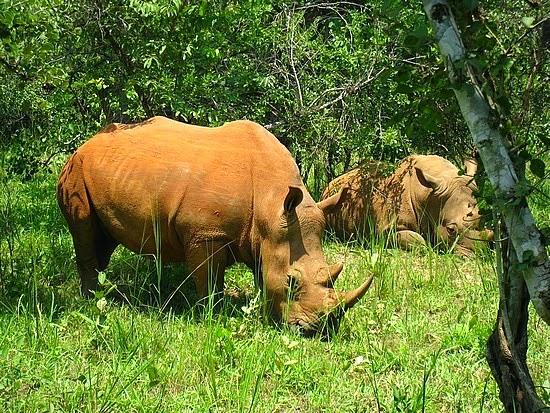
pixel 407 239
pixel 207 264
pixel 105 245
pixel 93 249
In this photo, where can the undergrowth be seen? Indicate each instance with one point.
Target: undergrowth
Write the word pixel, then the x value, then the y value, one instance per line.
pixel 416 342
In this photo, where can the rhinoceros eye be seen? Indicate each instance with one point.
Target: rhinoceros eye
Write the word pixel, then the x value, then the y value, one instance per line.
pixel 451 230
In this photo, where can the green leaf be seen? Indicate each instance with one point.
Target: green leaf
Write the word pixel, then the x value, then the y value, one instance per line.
pixel 203 8
pixel 409 130
pixel 415 40
pixel 537 166
pixel 469 89
pixel 154 376
pixel 528 22
pixel 525 155
pixel 101 278
pixel 478 64
pixel 527 257
pixel 470 4
pixel 404 89
pixel 101 304
pixel 544 139
pixel 473 321
pixel 391 8
pixel 374 259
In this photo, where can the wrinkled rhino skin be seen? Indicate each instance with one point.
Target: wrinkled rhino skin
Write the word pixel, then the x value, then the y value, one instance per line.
pixel 424 199
pixel 209 197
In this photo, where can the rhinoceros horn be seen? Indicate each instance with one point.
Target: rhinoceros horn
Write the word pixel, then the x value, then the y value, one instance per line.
pixel 329 277
pixel 334 272
pixel 470 166
pixel 350 298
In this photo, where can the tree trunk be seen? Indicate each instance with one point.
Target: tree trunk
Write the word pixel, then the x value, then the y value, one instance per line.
pixel 526 269
pixel 507 346
pixel 509 190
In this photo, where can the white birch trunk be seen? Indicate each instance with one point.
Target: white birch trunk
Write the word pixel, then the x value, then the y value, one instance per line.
pixel 524 235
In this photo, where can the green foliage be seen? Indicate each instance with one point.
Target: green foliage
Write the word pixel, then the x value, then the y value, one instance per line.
pixel 416 341
pixel 338 82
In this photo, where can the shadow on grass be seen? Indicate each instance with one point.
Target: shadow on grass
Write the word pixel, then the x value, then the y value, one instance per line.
pixel 138 285
pixel 130 280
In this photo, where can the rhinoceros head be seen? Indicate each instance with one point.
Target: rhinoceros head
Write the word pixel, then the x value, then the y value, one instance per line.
pixel 298 281
pixel 453 209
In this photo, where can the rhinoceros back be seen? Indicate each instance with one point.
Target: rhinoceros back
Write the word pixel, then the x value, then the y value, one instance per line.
pixel 165 181
pixel 357 217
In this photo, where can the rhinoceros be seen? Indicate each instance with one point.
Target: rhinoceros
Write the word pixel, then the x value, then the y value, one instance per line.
pixel 424 199
pixel 209 197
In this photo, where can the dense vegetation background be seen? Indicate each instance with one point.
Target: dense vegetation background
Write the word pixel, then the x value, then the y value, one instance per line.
pixel 337 83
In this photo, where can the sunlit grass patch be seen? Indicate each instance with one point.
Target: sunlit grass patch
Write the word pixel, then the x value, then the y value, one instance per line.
pixel 415 341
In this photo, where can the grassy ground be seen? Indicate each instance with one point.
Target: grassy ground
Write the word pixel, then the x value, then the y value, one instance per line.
pixel 415 343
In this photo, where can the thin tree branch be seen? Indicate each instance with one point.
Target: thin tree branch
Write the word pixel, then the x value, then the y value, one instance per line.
pixel 346 92
pixel 292 65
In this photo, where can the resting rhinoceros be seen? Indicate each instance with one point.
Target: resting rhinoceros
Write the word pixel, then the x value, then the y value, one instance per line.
pixel 209 197
pixel 424 199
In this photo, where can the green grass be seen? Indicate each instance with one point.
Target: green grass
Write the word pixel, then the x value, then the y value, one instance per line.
pixel 416 342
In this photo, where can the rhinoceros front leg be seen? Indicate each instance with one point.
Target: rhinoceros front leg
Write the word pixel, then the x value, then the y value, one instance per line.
pixel 207 263
pixel 407 239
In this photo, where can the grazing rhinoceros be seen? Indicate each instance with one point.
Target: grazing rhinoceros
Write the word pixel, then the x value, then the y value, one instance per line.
pixel 209 197
pixel 425 198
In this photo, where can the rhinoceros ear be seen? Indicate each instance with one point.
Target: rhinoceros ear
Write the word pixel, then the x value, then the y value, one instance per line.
pixel 427 180
pixel 329 204
pixel 293 199
pixel 470 166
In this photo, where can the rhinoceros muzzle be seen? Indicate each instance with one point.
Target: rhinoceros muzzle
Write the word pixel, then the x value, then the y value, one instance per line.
pixel 324 327
pixel 328 324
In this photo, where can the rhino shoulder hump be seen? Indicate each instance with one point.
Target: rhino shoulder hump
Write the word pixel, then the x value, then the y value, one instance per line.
pixel 156 120
pixel 248 127
pixel 111 127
